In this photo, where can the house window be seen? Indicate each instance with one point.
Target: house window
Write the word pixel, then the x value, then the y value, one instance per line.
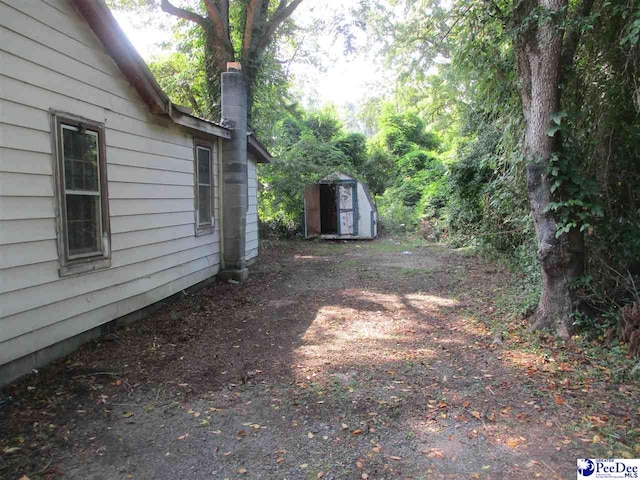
pixel 82 195
pixel 204 188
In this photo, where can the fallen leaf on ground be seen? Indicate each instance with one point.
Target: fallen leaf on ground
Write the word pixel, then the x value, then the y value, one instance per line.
pixel 242 470
pixel 433 453
pixel 514 442
pixel 128 414
pixel 183 437
pixel 357 431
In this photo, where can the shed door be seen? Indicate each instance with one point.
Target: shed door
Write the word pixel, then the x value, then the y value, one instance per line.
pixel 348 208
pixel 312 210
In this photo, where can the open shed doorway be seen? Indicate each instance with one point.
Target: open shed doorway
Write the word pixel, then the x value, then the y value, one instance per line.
pixel 339 206
pixel 328 209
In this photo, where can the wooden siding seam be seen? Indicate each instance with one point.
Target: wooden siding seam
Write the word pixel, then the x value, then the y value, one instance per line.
pixel 25 173
pixel 108 125
pixel 21 12
pixel 189 160
pixel 50 47
pixel 26 219
pixel 215 254
pixel 24 196
pixel 25 242
pixel 55 7
pixel 150 198
pixel 75 79
pixel 126 215
pixel 25 127
pixel 127 182
pixel 215 241
pixel 164 241
pixel 210 266
pixel 152 228
pixel 149 168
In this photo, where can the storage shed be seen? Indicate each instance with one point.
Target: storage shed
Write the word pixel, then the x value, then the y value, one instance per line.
pixel 339 207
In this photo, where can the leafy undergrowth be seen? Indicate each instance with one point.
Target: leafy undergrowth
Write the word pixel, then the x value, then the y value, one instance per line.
pixel 384 359
pixel 593 378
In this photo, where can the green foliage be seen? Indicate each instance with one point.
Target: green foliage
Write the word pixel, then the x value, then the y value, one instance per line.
pixel 311 145
pixel 354 146
pixel 578 207
pixel 404 132
pixel 394 216
pixel 184 78
pixel 473 104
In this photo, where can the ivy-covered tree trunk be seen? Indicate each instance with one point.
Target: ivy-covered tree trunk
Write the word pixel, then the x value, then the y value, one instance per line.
pixel 539 52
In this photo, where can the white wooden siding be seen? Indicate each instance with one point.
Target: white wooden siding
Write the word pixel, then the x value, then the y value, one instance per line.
pixel 52 61
pixel 251 245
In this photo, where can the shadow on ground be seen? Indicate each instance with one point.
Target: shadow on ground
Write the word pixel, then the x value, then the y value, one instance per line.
pixel 336 361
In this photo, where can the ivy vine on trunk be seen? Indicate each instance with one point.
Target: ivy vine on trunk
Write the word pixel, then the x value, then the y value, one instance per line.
pixel 545 48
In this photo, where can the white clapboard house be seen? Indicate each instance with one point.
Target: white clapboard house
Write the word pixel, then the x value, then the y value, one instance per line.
pixel 111 197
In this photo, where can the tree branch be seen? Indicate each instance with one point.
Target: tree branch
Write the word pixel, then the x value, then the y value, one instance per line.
pixel 223 8
pixel 254 11
pixel 220 27
pixel 283 12
pixel 168 7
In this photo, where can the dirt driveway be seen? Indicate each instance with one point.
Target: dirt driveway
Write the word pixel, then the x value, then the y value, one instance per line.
pixel 335 360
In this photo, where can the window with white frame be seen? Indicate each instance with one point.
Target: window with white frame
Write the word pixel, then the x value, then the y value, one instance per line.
pixel 83 218
pixel 204 187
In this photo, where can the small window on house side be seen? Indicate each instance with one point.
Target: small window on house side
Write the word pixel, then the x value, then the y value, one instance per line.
pixel 82 197
pixel 204 189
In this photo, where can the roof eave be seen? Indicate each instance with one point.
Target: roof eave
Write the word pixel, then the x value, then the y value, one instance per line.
pixel 195 123
pixel 104 25
pixel 258 149
pixel 106 28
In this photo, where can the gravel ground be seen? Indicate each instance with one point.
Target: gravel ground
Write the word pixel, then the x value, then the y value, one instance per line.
pixel 335 360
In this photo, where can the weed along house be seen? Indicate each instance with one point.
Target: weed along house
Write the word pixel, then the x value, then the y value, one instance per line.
pixel 111 197
pixel 339 207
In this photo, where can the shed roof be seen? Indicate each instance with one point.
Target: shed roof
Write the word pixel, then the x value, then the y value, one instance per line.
pixel 104 25
pixel 336 176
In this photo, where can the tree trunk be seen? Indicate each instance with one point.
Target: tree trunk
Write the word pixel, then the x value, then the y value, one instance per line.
pixel 539 53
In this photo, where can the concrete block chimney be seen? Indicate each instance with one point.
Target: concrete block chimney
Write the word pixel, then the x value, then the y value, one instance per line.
pixel 234 173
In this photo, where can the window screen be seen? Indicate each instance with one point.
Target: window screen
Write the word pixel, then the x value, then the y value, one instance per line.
pixel 205 186
pixel 83 220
